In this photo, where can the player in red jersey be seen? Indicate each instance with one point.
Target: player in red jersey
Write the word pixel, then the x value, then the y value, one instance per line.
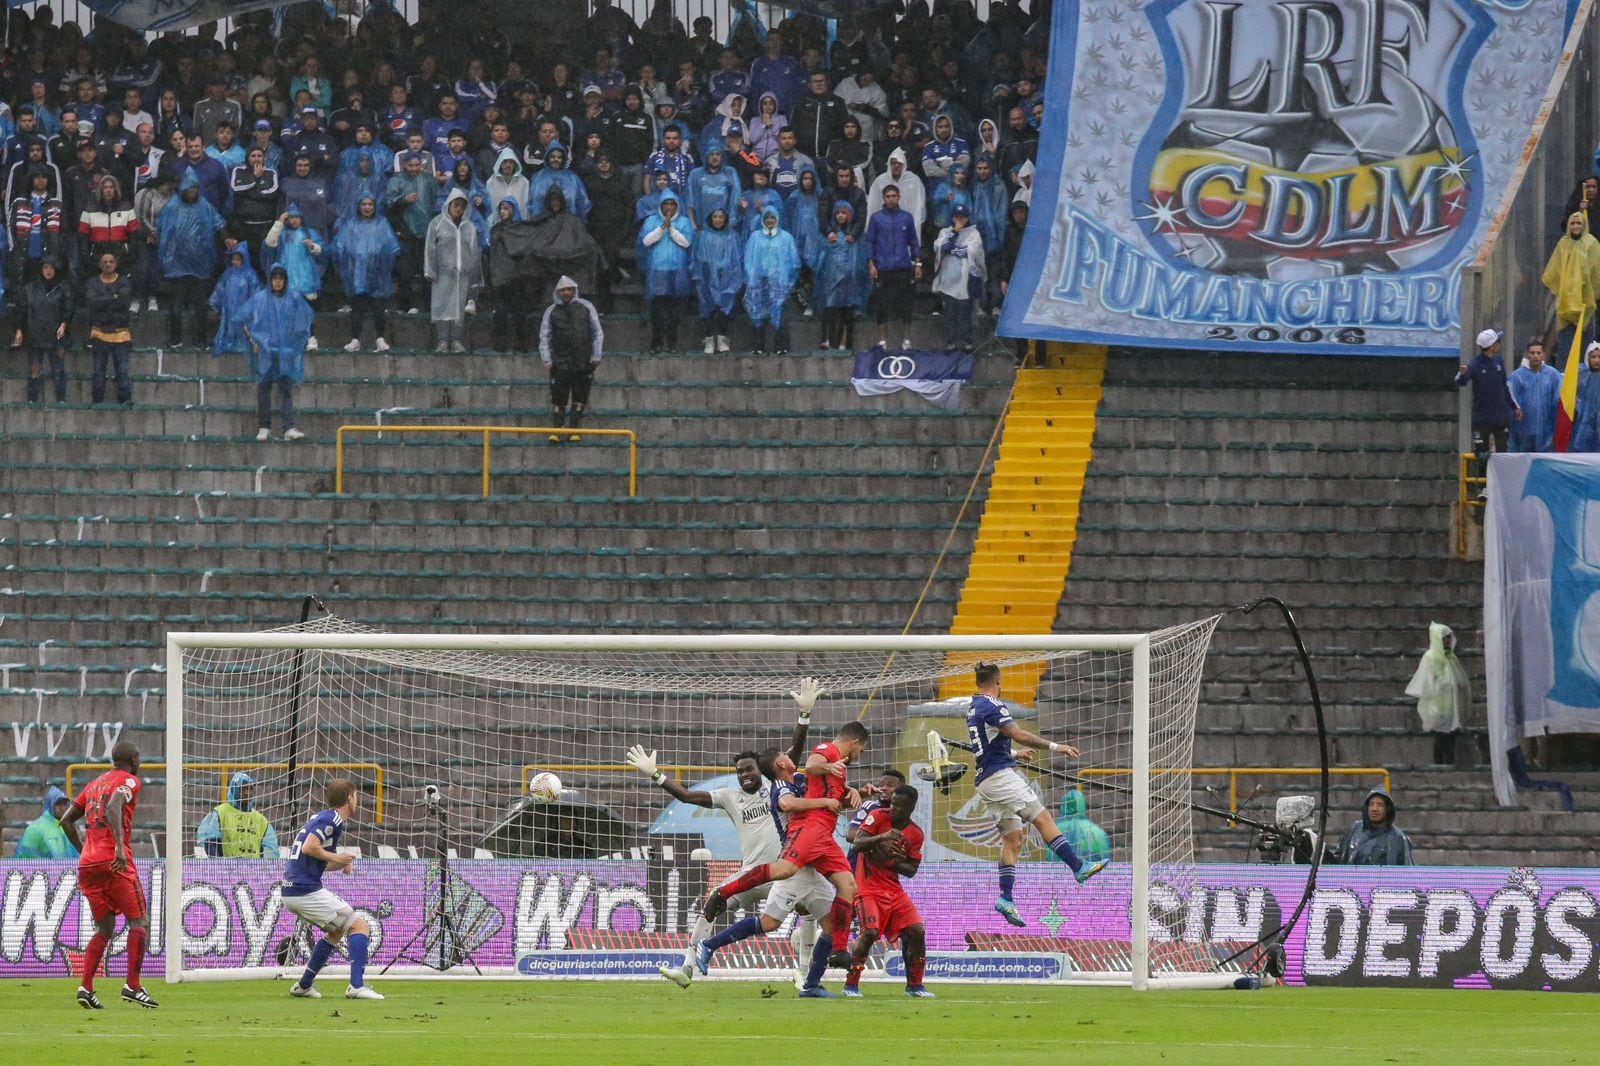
pixel 811 843
pixel 890 847
pixel 106 873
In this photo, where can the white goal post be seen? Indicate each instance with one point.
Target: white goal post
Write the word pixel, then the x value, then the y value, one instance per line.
pixel 477 714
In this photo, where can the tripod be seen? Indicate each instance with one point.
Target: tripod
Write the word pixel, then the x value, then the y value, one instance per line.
pixel 440 921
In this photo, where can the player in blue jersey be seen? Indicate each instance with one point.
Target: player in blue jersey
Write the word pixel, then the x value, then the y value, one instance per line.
pixel 314 851
pixel 1003 790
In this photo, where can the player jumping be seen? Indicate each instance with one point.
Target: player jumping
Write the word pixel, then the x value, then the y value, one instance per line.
pixel 747 807
pixel 106 873
pixel 811 844
pixel 888 847
pixel 304 897
pixel 807 892
pixel 1003 790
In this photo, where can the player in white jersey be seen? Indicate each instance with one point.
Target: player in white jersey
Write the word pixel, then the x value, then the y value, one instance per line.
pixel 748 807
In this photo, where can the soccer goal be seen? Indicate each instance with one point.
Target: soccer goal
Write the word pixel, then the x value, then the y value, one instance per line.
pixel 460 871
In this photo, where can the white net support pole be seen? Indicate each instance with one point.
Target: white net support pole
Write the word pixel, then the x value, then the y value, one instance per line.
pixel 173 878
pixel 1140 741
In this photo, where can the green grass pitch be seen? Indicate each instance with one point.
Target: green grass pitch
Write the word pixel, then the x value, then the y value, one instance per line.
pixel 423 1023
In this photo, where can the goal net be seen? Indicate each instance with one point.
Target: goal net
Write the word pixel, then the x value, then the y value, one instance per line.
pixel 606 880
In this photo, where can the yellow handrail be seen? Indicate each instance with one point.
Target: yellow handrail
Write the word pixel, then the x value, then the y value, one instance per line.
pixel 1236 772
pixel 488 432
pixel 677 772
pixel 1466 497
pixel 225 769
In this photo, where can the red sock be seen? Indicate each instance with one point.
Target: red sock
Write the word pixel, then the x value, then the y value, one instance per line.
pixel 137 939
pixel 914 968
pixel 754 878
pixel 92 956
pixel 840 914
pixel 853 978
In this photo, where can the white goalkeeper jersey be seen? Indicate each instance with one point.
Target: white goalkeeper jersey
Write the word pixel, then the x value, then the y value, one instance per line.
pixel 751 812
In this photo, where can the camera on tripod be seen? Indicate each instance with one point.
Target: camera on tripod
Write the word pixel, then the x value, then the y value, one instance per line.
pixel 1288 840
pixel 431 795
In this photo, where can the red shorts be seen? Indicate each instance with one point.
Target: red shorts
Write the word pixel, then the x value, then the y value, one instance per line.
pixel 112 893
pixel 888 916
pixel 812 844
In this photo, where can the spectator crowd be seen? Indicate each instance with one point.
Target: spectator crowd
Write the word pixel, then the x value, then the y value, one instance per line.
pixel 459 166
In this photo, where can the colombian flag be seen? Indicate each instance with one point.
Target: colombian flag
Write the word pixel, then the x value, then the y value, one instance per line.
pixel 1567 401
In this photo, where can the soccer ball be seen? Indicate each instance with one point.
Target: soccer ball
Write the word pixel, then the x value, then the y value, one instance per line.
pixel 545 787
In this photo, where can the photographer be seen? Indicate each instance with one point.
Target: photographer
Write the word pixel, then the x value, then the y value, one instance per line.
pixel 1375 840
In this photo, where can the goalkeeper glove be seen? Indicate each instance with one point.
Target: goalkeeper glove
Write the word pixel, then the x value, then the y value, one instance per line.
pixel 645 763
pixel 809 692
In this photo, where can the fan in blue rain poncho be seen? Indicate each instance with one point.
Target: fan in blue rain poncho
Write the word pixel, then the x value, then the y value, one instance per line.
pixel 277 326
pixel 771 267
pixel 843 284
pixel 718 268
pixel 991 216
pixel 663 250
pixel 715 185
pixel 364 178
pixel 947 194
pixel 299 249
pixel 803 220
pixel 754 201
pixel 555 175
pixel 233 290
pixel 188 227
pixel 365 250
pixel 381 155
pixel 1536 388
pixel 1586 427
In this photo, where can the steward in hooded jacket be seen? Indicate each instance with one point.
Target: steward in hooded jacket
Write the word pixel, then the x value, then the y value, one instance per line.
pixel 571 343
pixel 1375 840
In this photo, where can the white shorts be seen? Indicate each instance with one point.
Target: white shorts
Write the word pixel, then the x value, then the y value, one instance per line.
pixel 749 899
pixel 807 892
pixel 322 909
pixel 1006 793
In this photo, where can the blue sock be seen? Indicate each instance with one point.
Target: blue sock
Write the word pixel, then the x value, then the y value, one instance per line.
pixel 740 930
pixel 819 960
pixel 1008 880
pixel 358 958
pixel 1063 849
pixel 321 952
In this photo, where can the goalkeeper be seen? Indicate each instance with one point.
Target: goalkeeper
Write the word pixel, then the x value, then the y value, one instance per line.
pixel 748 807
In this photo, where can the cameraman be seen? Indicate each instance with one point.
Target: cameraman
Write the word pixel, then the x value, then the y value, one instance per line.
pixel 1375 840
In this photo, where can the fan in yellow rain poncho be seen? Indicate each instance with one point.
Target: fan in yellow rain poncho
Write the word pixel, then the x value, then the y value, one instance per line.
pixel 1573 272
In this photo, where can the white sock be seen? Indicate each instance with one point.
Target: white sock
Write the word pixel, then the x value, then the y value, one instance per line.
pixel 702 930
pixel 806 935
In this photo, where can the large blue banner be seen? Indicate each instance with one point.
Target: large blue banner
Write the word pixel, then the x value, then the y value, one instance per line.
pixel 1275 175
pixel 1541 602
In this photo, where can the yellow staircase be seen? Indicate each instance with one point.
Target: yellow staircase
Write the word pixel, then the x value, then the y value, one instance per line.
pixel 1030 522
